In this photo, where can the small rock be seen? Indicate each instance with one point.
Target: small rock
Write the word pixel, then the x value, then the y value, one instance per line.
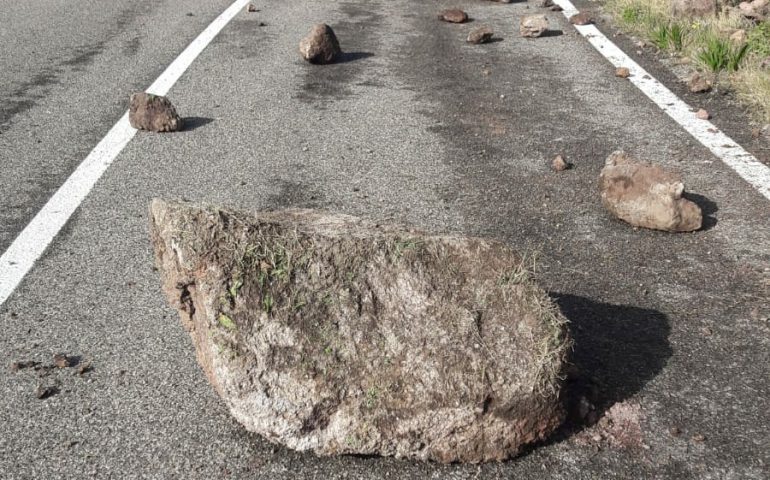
pixel 739 37
pixel 582 18
pixel 698 84
pixel 62 361
pixel 44 391
pixel 675 431
pixel 542 3
pixel 486 72
pixel 154 113
pixel 702 114
pixel 646 195
pixel 252 8
pixel 84 368
pixel 454 15
pixel 480 35
pixel 693 8
pixel 320 46
pixel 622 72
pixel 698 438
pixel 558 164
pixel 556 8
pixel 533 26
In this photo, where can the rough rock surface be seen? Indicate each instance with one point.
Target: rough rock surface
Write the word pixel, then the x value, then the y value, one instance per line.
pixel 453 15
pixel 622 72
pixel 693 8
pixel 646 195
pixel 757 10
pixel 480 35
pixel 154 113
pixel 581 18
pixel 698 84
pixel 320 46
pixel 332 334
pixel 533 25
pixel 558 164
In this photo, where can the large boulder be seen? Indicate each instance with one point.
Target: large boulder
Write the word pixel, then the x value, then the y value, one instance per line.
pixel 332 334
pixel 646 195
pixel 320 46
pixel 154 113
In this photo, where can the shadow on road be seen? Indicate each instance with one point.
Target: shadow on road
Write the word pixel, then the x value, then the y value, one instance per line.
pixel 347 57
pixel 192 123
pixel 708 208
pixel 618 349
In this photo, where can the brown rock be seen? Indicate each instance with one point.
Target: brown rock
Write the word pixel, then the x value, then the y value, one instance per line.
pixel 757 10
pixel 533 26
pixel 646 195
pixel 320 46
pixel 252 8
pixel 698 84
pixel 693 8
pixel 61 360
pixel 622 72
pixel 702 114
pixel 582 18
pixel 558 164
pixel 453 15
pixel 332 334
pixel 739 37
pixel 480 35
pixel 154 113
pixel 542 3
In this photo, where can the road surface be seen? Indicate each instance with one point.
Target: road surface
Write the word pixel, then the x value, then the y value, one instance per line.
pixel 413 126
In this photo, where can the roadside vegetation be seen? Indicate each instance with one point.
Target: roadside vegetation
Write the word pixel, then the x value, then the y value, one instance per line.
pixel 734 50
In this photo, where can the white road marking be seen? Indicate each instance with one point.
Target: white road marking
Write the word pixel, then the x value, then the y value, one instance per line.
pixel 723 147
pixel 32 242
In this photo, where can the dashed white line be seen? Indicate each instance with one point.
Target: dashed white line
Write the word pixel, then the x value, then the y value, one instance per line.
pixel 723 147
pixel 32 242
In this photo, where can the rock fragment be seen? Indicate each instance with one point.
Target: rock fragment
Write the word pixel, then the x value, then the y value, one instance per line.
pixel 646 195
pixel 454 15
pixel 44 391
pixel 154 113
pixel 582 18
pixel 542 3
pixel 320 46
pixel 622 72
pixel 61 360
pixel 331 334
pixel 558 164
pixel 533 26
pixel 698 83
pixel 757 10
pixel 702 114
pixel 480 35
pixel 252 8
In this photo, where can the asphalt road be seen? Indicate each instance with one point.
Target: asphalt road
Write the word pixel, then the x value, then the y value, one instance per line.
pixel 414 126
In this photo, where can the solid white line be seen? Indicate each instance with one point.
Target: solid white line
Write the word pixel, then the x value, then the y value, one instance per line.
pixel 32 242
pixel 723 147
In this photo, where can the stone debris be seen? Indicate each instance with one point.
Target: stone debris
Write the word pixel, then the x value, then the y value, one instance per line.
pixel 542 3
pixel 61 360
pixel 582 18
pixel 558 164
pixel 620 428
pixel 45 391
pixel 702 114
pixel 453 15
pixel 480 35
pixel 252 8
pixel 646 195
pixel 757 10
pixel 320 46
pixel 693 8
pixel 533 26
pixel 622 72
pixel 332 334
pixel 154 113
pixel 698 83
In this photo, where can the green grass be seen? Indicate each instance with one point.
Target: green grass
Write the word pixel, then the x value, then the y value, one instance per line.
pixel 720 54
pixel 758 39
pixel 226 322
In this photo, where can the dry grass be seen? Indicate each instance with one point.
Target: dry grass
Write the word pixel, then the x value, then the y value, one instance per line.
pixel 706 42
